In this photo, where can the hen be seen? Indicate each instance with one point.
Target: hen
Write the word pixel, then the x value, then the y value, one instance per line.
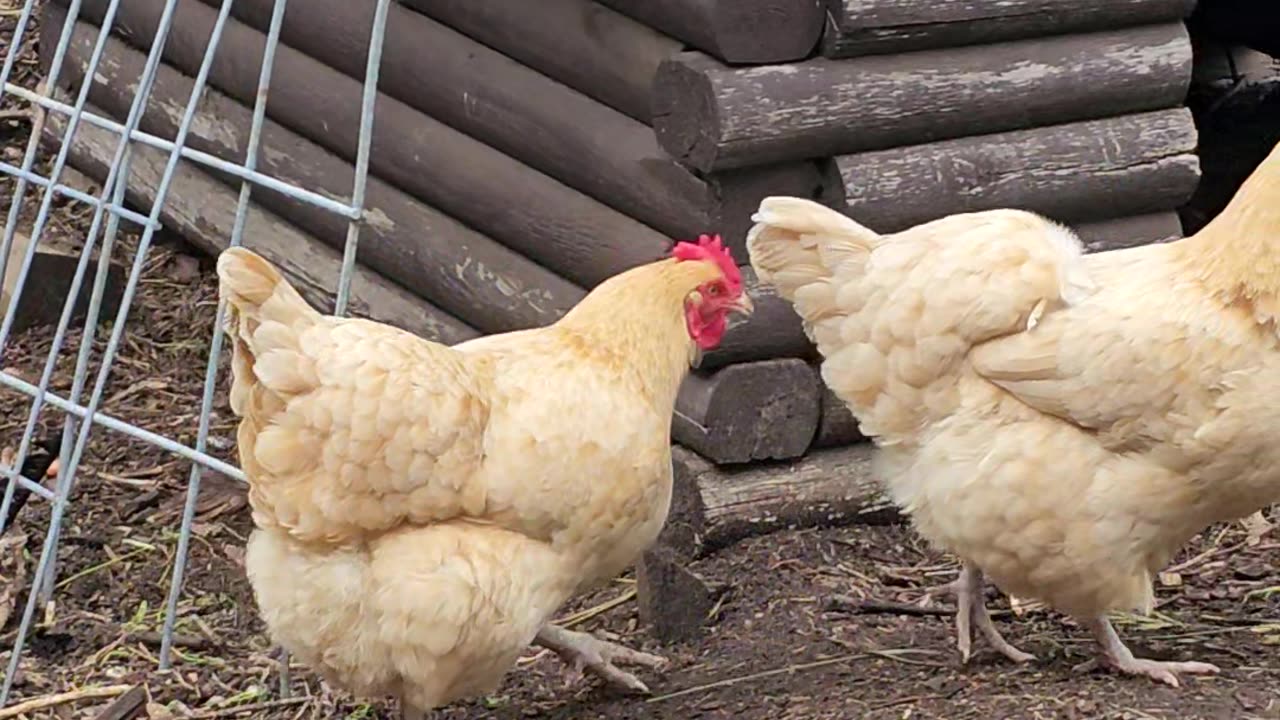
pixel 421 511
pixel 1061 422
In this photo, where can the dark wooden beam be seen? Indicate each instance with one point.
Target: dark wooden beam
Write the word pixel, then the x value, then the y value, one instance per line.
pixel 544 219
pixel 473 278
pixel 1130 231
pixel 203 210
pixel 712 116
pixel 765 410
pixel 748 32
pixel 1073 173
pixel 836 424
pixel 583 44
pixel 877 27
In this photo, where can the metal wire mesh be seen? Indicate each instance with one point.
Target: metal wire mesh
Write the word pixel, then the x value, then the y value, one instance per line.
pixel 83 416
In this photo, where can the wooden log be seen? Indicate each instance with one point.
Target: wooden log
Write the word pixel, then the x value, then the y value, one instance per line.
pixel 772 331
pixel 1076 172
pixel 1130 231
pixel 49 278
pixel 822 489
pixel 749 32
pixel 713 116
pixel 765 410
pixel 203 210
pixel 581 43
pixel 836 424
pixel 876 27
pixel 467 274
pixel 532 118
pixel 542 218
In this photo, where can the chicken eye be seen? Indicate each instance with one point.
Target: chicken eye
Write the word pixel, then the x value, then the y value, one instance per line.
pixel 714 290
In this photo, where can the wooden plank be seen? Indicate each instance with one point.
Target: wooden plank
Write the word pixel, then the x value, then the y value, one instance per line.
pixel 765 410
pixel 875 27
pixel 1130 231
pixel 540 217
pixel 581 43
pixel 1073 173
pixel 127 706
pixel 673 600
pixel 748 32
pixel 470 276
pixel 712 116
pixel 822 489
pixel 203 210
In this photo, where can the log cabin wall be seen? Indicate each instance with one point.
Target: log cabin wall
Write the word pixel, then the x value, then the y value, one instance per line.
pixel 524 151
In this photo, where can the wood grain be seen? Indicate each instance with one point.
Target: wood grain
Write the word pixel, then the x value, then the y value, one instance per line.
pixel 748 32
pixel 712 116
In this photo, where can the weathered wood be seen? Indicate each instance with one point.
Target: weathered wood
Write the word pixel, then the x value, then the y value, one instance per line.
pixel 765 410
pixel 1130 231
pixel 875 27
pixel 673 601
pixel 564 230
pixel 532 118
pixel 821 489
pixel 772 331
pixel 713 116
pixel 747 32
pixel 836 425
pixel 467 274
pixel 583 44
pixel 1076 172
pixel 203 210
pixel 49 278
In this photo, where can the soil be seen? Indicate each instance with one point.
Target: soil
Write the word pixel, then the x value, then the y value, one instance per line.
pixel 790 637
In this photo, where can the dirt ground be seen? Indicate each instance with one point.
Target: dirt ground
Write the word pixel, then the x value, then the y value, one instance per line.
pixel 789 639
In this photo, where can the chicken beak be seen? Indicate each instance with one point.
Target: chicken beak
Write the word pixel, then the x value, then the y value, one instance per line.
pixel 743 305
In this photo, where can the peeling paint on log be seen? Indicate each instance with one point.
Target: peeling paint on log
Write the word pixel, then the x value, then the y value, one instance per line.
pixel 713 116
pixel 563 229
pixel 472 277
pixel 203 211
pixel 877 27
pixel 1073 173
pixel 747 32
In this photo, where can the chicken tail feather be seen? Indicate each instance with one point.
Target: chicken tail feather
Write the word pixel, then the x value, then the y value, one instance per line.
pixel 892 315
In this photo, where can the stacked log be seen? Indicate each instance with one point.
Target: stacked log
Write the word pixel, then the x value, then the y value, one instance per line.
pixel 524 152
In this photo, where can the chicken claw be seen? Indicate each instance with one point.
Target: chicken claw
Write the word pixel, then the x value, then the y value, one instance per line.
pixel 583 650
pixel 1118 657
pixel 971 609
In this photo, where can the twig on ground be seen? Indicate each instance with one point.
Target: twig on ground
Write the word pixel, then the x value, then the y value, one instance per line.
pixel 48 701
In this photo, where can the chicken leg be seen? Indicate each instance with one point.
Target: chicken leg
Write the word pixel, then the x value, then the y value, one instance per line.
pixel 971 609
pixel 1116 656
pixel 583 650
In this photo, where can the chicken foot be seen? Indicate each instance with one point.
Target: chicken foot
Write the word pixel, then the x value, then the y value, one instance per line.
pixel 971 609
pixel 1115 655
pixel 583 650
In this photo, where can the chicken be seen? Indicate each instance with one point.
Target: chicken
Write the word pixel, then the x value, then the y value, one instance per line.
pixel 421 511
pixel 1061 422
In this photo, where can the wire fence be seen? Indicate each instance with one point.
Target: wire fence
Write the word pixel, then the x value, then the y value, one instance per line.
pixel 82 415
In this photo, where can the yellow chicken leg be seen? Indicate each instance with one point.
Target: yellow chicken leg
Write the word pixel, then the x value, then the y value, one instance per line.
pixel 583 650
pixel 1118 657
pixel 971 609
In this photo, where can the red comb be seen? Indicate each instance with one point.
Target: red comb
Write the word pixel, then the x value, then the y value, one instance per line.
pixel 709 248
